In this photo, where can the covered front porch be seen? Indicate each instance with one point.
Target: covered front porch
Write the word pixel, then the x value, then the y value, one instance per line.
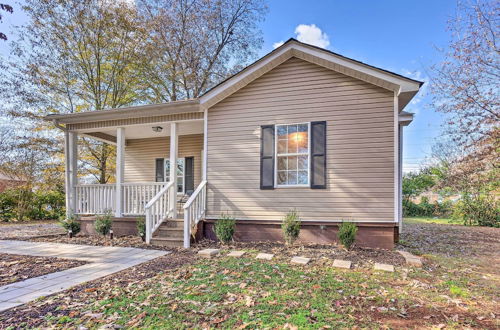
pixel 145 182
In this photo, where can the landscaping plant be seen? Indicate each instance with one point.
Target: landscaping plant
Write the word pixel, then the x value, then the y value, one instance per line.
pixel 291 226
pixel 103 223
pixel 141 227
pixel 71 223
pixel 224 228
pixel 347 234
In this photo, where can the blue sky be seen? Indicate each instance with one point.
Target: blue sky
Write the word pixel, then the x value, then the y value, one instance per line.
pixel 400 36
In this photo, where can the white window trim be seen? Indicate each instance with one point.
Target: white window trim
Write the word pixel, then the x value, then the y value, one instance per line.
pixel 276 185
pixel 167 173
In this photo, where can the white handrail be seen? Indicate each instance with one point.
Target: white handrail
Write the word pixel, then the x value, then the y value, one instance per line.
pixel 194 211
pixel 158 209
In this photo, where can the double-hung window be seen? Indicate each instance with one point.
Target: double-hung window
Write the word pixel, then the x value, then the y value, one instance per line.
pixel 292 155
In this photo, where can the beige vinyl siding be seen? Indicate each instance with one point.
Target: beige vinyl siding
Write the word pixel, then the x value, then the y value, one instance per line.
pixel 136 121
pixel 141 154
pixel 360 146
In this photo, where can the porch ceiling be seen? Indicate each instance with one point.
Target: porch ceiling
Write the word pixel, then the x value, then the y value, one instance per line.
pixel 146 131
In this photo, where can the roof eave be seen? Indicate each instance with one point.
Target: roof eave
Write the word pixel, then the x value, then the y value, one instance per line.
pixel 175 107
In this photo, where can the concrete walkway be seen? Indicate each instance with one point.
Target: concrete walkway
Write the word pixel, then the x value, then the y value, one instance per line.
pixel 103 260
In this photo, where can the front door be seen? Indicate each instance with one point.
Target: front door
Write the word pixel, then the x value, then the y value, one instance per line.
pixel 185 174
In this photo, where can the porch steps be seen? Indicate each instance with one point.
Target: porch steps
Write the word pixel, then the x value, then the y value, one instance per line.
pixel 170 233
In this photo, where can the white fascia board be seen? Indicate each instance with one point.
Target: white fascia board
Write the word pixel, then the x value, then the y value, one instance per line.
pixel 405 119
pixel 405 85
pixel 129 112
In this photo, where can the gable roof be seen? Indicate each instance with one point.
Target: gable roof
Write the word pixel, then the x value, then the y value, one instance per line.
pixel 404 87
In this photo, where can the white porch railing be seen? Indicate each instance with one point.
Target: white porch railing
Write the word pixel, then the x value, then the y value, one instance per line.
pixel 95 198
pixel 137 195
pixel 158 209
pixel 194 211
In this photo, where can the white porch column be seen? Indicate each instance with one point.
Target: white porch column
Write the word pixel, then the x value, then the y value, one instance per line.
pixel 173 166
pixel 73 168
pixel 205 144
pixel 120 169
pixel 67 175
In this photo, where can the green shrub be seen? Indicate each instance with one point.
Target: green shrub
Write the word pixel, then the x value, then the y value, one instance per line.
pixel 23 204
pixel 103 223
pixel 71 223
pixel 141 227
pixel 7 205
pixel 426 209
pixel 291 226
pixel 347 234
pixel 477 210
pixel 224 228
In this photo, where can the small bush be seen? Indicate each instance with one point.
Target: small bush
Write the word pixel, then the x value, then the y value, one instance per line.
pixel 477 210
pixel 71 223
pixel 103 223
pixel 141 227
pixel 224 228
pixel 347 234
pixel 291 226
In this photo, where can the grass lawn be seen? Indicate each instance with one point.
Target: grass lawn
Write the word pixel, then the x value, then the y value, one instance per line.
pixel 442 221
pixel 457 287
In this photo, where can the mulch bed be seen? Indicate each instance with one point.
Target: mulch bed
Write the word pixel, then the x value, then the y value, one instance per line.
pixel 34 313
pixel 360 257
pixel 15 268
pixel 319 253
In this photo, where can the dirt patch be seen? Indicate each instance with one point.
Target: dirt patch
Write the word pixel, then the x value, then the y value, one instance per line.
pixel 451 240
pixel 29 229
pixel 69 302
pixel 15 268
pixel 125 241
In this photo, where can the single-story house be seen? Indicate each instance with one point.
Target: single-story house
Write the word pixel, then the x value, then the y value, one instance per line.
pixel 302 128
pixel 9 181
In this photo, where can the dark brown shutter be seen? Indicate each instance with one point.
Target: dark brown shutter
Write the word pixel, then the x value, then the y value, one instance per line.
pixel 318 155
pixel 160 170
pixel 267 157
pixel 189 175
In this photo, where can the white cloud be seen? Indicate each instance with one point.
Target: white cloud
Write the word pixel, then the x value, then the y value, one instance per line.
pixel 311 34
pixel 277 44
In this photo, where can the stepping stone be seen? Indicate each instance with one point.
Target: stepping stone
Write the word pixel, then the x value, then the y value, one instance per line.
pixel 342 263
pixel 300 260
pixel 417 262
pixel 411 259
pixel 236 254
pixel 384 267
pixel 208 253
pixel 264 256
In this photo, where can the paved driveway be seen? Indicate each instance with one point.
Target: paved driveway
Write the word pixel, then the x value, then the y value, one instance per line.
pixel 103 260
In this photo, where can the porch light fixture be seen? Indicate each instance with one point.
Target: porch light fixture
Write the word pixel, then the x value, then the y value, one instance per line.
pixel 157 129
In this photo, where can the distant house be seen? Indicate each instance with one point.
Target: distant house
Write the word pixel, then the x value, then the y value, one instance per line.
pixel 301 128
pixel 7 181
